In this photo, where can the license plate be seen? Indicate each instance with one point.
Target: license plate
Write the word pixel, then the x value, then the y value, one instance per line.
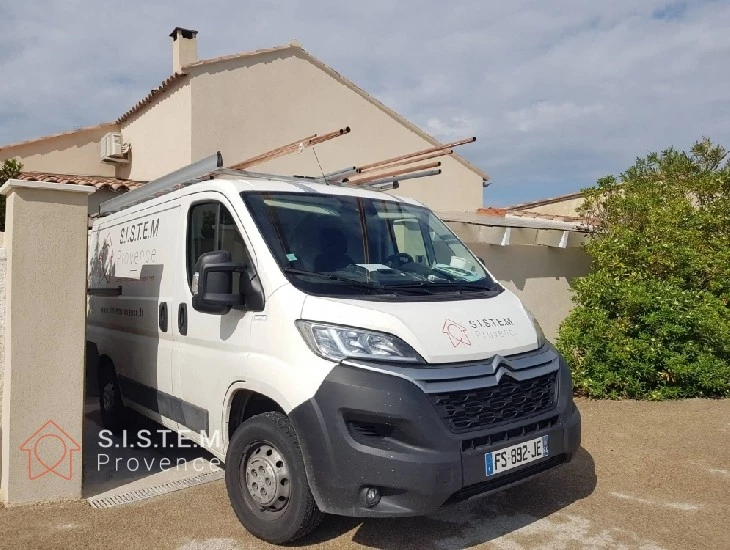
pixel 505 459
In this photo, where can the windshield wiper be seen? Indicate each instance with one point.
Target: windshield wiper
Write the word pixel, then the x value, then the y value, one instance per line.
pixel 330 277
pixel 455 286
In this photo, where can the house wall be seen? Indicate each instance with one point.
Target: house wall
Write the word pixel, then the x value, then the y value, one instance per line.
pixel 568 207
pixel 73 153
pixel 245 107
pixel 159 135
pixel 540 276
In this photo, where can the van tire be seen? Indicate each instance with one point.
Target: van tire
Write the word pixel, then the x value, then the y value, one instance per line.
pixel 272 433
pixel 114 415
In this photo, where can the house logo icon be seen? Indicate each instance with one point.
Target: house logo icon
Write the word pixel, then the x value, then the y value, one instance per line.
pixel 50 450
pixel 456 333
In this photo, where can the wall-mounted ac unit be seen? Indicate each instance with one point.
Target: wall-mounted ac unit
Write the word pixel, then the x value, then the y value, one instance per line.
pixel 113 149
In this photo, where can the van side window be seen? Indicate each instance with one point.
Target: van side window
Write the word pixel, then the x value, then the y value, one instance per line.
pixel 211 227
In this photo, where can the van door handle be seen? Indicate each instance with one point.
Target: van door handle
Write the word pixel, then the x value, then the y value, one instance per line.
pixel 182 318
pixel 163 317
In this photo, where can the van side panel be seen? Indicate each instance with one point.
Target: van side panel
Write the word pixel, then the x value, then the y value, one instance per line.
pixel 136 253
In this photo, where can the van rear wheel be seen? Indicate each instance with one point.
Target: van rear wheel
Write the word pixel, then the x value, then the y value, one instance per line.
pixel 114 415
pixel 266 481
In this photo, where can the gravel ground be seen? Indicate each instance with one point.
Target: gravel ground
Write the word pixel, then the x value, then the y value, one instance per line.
pixel 650 476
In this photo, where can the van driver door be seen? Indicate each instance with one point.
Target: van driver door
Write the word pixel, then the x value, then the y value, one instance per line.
pixel 210 349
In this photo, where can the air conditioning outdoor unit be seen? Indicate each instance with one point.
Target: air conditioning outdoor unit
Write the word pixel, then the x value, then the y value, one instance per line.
pixel 113 149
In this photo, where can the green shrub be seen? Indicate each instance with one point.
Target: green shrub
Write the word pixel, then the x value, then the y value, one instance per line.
pixel 652 319
pixel 9 169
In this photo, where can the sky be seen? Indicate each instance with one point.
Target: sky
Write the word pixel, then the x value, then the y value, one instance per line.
pixel 558 93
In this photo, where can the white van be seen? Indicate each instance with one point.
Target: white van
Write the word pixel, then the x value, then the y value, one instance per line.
pixel 354 356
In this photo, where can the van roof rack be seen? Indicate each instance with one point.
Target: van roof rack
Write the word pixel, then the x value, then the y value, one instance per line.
pixel 210 167
pixel 165 184
pixel 352 176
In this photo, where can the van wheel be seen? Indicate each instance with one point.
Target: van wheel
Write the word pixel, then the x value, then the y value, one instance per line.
pixel 113 413
pixel 266 481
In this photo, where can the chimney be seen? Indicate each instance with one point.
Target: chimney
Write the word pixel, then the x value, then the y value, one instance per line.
pixel 184 48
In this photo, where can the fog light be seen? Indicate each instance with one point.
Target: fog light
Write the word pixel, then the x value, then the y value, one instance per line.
pixel 371 495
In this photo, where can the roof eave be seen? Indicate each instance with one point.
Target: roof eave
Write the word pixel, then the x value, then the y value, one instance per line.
pixel 55 136
pixel 543 202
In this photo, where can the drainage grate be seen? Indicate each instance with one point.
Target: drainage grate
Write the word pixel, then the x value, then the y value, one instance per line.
pixel 157 490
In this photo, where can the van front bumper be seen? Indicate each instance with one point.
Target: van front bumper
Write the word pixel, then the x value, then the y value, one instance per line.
pixel 369 429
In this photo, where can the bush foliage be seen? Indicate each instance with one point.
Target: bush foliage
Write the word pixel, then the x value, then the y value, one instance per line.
pixel 9 169
pixel 652 319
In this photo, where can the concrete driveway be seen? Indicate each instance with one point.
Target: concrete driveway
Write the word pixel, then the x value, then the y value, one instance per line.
pixel 649 476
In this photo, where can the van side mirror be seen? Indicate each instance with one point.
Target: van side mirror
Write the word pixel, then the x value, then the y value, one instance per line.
pixel 212 283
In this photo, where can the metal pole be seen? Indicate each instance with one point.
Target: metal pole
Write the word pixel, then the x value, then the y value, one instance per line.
pixel 262 156
pixel 164 184
pixel 427 173
pixel 417 153
pixel 344 172
pixel 385 186
pixel 290 148
pixel 407 161
pixel 372 177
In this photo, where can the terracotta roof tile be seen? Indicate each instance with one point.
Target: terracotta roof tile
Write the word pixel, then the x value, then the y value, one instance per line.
pixel 549 200
pixel 491 211
pixel 541 215
pixel 100 182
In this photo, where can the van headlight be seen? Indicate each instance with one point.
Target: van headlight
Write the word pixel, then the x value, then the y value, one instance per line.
pixel 335 342
pixel 541 340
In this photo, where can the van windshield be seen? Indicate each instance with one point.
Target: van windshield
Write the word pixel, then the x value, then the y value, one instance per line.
pixel 345 245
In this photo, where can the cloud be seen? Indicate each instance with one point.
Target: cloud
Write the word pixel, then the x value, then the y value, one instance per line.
pixel 558 93
pixel 546 115
pixel 453 127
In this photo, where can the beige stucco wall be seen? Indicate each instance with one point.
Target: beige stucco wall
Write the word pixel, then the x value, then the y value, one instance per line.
pixel 75 153
pixel 566 207
pixel 159 135
pixel 44 335
pixel 244 107
pixel 539 275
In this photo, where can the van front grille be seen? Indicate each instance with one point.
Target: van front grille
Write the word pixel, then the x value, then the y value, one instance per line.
pixel 505 436
pixel 509 401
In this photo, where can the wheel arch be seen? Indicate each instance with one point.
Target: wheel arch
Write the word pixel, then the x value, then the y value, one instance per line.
pixel 242 402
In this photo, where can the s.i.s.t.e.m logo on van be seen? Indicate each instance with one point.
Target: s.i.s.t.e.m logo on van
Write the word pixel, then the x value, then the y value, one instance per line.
pixel 50 451
pixel 491 322
pixel 139 231
pixel 456 333
pixel 489 328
